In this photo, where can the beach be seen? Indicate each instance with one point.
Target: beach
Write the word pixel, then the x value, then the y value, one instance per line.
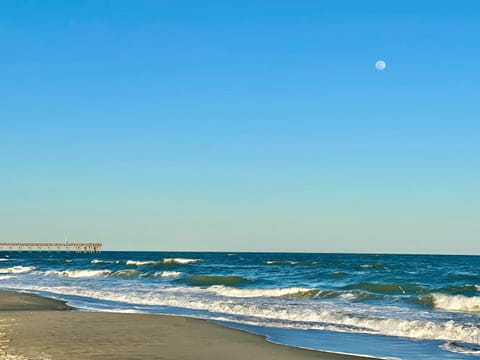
pixel 33 327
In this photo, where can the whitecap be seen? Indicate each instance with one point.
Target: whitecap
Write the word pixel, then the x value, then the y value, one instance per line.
pixel 456 303
pixel 98 261
pixel 167 274
pixel 17 269
pixel 251 293
pixel 5 277
pixel 179 261
pixel 141 263
pixel 79 273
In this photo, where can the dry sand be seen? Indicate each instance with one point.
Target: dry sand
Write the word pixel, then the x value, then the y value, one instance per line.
pixel 33 328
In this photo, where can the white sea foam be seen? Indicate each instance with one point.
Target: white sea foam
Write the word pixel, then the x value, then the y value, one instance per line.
pixel 16 269
pixel 280 262
pixel 141 263
pixel 6 277
pixel 251 293
pixel 167 274
pixel 457 303
pixel 79 273
pixel 179 261
pixel 164 261
pixel 2 259
pixel 98 261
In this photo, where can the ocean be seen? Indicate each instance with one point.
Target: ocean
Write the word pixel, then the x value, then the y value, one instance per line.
pixel 388 306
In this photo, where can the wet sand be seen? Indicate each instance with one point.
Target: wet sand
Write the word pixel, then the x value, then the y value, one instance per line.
pixel 32 327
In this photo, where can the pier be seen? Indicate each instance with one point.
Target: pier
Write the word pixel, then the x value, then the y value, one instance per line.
pixel 76 247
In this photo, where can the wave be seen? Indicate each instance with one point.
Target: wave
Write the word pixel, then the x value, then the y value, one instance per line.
pixel 125 274
pixel 122 274
pixel 2 259
pixel 206 280
pixel 455 303
pixel 387 288
pixel 16 269
pixel 142 263
pixel 290 292
pixel 251 293
pixel 179 261
pixel 79 273
pixel 166 261
pixel 461 289
pixel 167 274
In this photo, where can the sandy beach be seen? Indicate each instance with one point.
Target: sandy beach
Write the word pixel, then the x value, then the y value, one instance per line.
pixel 33 327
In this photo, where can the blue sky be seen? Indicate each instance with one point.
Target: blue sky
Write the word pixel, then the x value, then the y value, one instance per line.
pixel 252 125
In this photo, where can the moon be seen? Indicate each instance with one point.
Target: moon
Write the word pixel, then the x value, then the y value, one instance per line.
pixel 380 65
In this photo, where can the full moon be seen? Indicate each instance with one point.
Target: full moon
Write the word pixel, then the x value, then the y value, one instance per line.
pixel 380 65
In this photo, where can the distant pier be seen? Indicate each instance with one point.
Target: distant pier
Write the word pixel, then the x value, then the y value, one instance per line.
pixel 76 247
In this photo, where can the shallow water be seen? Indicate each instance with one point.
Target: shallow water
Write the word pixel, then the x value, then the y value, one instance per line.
pixel 398 306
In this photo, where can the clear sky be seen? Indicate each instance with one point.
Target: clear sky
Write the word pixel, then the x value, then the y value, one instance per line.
pixel 241 125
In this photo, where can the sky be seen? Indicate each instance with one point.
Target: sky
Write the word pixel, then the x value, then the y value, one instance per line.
pixel 241 125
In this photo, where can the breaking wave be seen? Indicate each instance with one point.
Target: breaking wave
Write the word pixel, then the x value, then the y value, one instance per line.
pixel 167 274
pixel 6 277
pixel 125 274
pixel 79 273
pixel 142 263
pixel 166 261
pixel 456 303
pixel 251 293
pixel 17 269
pixel 179 261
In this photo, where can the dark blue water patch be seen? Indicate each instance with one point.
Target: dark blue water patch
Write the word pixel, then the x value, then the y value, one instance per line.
pixel 388 288
pixel 209 280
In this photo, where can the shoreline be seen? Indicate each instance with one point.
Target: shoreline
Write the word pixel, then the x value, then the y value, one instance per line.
pixel 35 327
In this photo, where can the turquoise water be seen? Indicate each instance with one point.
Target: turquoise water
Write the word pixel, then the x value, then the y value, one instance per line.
pixel 396 306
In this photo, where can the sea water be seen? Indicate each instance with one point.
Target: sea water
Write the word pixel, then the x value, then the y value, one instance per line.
pixel 390 306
